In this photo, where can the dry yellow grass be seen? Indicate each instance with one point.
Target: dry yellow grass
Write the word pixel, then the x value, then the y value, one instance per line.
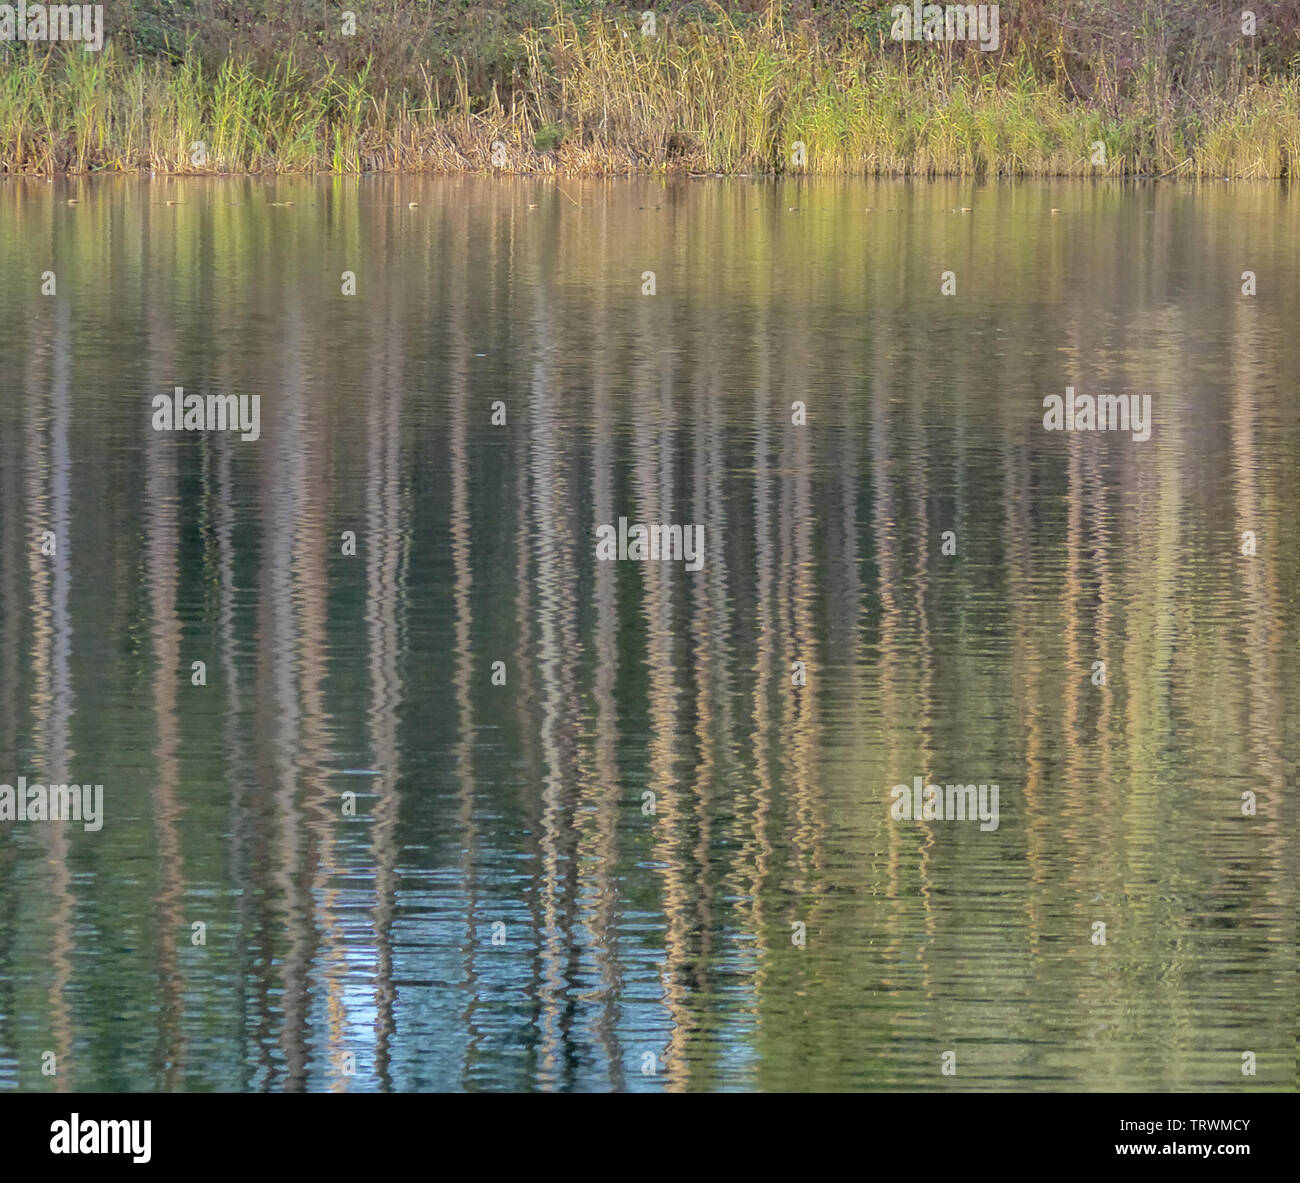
pixel 599 100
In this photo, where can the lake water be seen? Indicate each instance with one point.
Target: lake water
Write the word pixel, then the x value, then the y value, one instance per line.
pixel 586 868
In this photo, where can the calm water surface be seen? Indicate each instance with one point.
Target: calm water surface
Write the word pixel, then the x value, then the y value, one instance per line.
pixel 502 911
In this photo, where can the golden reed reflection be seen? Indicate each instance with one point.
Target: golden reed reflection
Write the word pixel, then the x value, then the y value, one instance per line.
pixel 598 774
pixel 48 495
pixel 469 667
pixel 162 530
pixel 388 540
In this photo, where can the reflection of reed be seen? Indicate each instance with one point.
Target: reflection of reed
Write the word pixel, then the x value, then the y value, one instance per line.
pixel 710 644
pixel 757 851
pixel 163 568
pixel 552 535
pixel 465 674
pixel 16 537
pixel 1100 793
pixel 551 982
pixel 884 542
pixel 387 542
pixel 526 611
pixel 1264 764
pixel 654 498
pixel 1074 802
pixel 1018 526
pixel 922 541
pixel 847 633
pixel 19 523
pixel 1148 644
pixel 803 741
pixel 311 546
pixel 598 775
pixel 51 657
pixel 277 634
pixel 1148 674
pixel 240 773
pixel 1103 544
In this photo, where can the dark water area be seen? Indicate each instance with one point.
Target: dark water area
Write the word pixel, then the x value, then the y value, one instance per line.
pixel 586 868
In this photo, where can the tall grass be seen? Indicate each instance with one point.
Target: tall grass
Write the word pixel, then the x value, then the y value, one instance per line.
pixel 597 97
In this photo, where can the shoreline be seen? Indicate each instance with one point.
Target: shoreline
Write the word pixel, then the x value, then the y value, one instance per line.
pixel 645 175
pixel 981 180
pixel 596 98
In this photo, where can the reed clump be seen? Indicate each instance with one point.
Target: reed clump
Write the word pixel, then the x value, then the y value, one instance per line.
pixel 590 94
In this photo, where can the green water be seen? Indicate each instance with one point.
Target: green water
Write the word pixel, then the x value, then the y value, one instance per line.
pixel 501 905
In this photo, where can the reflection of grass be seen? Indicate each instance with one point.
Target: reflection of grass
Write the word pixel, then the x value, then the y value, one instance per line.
pixel 599 98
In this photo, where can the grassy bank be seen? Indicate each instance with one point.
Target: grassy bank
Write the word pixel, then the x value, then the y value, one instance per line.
pixel 714 90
